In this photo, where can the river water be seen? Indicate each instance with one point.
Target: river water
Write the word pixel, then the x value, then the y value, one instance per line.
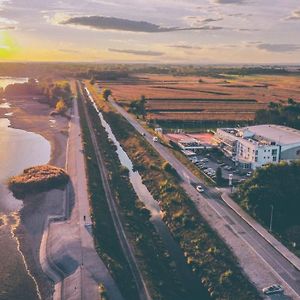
pixel 19 149
pixel 196 291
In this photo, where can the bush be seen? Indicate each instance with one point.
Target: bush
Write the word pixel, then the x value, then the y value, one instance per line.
pixel 168 168
pixel 36 179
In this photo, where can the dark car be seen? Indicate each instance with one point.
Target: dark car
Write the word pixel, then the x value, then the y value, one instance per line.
pixel 273 289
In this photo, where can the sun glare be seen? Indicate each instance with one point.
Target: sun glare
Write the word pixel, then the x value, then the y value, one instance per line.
pixel 7 45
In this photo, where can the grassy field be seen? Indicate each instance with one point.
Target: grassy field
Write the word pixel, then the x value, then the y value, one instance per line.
pixel 191 98
pixel 209 258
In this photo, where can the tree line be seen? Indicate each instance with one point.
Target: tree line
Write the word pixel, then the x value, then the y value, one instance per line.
pixel 57 94
pixel 282 113
pixel 274 189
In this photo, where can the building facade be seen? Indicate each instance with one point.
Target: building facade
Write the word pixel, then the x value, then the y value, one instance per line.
pixel 255 146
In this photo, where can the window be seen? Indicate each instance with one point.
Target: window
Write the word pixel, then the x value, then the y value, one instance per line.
pixel 256 152
pixel 274 152
pixel 274 158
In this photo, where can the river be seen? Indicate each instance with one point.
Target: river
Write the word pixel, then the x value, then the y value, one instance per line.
pixel 196 291
pixel 19 149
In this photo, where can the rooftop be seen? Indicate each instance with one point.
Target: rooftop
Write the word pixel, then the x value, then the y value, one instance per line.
pixel 280 134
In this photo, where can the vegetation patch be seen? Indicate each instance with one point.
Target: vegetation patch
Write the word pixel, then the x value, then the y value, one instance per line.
pixel 275 189
pixel 105 237
pixel 208 256
pixel 37 179
pixel 154 260
pixel 280 113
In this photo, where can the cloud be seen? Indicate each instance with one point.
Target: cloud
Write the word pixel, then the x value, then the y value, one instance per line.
pixel 69 50
pixel 137 52
pixel 279 48
pixel 248 29
pixel 294 16
pixel 111 23
pixel 7 28
pixel 187 47
pixel 230 1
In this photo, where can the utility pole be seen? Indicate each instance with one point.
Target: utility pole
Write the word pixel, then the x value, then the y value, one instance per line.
pixel 230 178
pixel 271 218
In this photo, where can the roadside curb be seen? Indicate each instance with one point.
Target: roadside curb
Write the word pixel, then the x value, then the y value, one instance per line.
pixel 292 258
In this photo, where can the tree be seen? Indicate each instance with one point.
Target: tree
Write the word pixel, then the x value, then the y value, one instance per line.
pixel 106 94
pixel 138 106
pixel 92 81
pixel 61 107
pixel 291 101
pixel 219 177
pixel 142 106
pixel 274 185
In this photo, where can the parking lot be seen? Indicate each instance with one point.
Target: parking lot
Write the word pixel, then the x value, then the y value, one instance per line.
pixel 209 166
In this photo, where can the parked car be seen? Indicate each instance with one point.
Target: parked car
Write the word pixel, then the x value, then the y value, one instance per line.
pixel 273 289
pixel 199 188
pixel 249 174
pixel 155 139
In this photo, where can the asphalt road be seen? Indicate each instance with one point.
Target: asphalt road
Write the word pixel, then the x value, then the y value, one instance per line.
pixel 126 247
pixel 269 256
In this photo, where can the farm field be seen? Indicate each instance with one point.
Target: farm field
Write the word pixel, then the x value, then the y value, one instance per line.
pixel 191 98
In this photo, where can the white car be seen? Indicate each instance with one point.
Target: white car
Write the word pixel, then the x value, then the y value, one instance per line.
pixel 155 139
pixel 199 188
pixel 249 174
pixel 273 289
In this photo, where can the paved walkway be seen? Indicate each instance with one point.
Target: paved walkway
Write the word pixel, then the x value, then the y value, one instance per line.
pixel 70 245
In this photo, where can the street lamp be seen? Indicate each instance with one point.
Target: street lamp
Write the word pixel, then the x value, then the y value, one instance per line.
pixel 230 177
pixel 271 218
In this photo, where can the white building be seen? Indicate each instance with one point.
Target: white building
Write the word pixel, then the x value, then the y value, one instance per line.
pixel 255 146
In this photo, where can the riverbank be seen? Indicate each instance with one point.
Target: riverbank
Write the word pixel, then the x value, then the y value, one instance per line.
pixel 34 117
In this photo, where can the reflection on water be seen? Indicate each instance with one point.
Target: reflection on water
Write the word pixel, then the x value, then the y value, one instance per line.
pixel 18 150
pixel 5 81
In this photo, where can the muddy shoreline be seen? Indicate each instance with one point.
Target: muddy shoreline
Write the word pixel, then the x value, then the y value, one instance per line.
pixel 32 116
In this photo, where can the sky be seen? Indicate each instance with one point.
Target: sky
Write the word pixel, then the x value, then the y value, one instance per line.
pixel 151 31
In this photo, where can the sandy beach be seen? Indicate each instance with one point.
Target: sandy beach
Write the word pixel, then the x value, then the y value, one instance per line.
pixel 32 116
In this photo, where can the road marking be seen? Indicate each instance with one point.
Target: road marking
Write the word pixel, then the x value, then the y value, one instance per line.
pixel 167 155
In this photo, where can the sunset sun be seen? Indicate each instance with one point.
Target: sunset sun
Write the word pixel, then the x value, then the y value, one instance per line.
pixel 7 45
